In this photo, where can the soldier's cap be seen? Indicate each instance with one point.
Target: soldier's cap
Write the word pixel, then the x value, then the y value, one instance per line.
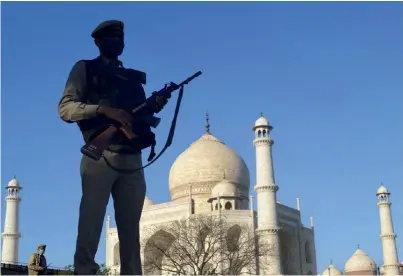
pixel 108 28
pixel 42 246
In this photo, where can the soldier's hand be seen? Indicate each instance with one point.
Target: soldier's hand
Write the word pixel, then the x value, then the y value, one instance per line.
pixel 118 115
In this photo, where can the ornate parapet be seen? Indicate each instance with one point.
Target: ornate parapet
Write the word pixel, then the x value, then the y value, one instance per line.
pixel 384 204
pixel 11 235
pixel 388 236
pixel 13 198
pixel 263 142
pixel 272 188
pixel 270 230
pixel 198 188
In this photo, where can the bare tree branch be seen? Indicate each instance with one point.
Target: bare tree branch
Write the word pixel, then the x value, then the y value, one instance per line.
pixel 202 245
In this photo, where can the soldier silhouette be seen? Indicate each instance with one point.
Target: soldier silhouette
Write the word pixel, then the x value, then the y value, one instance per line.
pixel 93 94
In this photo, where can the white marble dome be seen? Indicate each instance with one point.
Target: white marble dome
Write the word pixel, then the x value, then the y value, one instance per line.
pixel 262 121
pixel 382 190
pixel 203 164
pixel 14 183
pixel 331 270
pixel 359 261
pixel 224 188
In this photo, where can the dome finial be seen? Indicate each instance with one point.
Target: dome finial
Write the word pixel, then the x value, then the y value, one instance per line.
pixel 207 123
pixel 261 114
pixel 331 261
pixel 358 246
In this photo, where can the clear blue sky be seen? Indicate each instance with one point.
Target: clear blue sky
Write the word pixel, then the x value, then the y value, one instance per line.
pixel 327 75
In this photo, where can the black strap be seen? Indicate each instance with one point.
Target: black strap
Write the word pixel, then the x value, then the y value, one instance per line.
pixel 167 144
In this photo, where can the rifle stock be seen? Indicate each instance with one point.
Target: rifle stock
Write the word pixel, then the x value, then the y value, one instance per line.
pixel 96 147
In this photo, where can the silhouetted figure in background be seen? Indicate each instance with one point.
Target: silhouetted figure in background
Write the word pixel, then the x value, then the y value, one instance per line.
pixel 37 262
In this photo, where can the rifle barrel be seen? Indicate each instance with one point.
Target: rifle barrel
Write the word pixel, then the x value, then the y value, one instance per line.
pixel 143 105
pixel 190 78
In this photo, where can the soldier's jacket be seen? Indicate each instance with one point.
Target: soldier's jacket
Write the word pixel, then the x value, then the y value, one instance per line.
pixel 36 261
pixel 94 82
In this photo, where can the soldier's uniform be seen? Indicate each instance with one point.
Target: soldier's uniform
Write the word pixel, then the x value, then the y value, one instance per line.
pixel 37 262
pixel 92 83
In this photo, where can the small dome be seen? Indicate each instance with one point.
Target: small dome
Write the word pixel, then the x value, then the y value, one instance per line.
pixel 332 270
pixel 224 188
pixel 359 261
pixel 147 202
pixel 14 183
pixel 382 190
pixel 262 121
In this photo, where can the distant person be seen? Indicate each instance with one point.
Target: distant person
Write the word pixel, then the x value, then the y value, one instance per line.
pixel 98 90
pixel 37 262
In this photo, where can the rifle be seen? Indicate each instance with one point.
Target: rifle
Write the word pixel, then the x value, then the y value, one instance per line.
pixel 94 149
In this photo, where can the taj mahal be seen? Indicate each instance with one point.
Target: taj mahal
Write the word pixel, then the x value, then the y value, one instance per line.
pixel 209 177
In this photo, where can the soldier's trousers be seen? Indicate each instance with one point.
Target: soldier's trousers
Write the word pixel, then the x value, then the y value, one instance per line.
pixel 128 191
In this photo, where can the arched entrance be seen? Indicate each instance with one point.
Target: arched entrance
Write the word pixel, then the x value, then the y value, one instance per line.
pixel 154 252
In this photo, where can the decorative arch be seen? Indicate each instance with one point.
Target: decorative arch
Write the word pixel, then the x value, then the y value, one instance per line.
pixel 233 235
pixel 308 252
pixel 216 206
pixel 285 252
pixel 383 198
pixel 228 205
pixel 159 242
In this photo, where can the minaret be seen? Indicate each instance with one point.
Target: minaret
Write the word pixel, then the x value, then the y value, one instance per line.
pixel 388 237
pixel 11 234
pixel 266 189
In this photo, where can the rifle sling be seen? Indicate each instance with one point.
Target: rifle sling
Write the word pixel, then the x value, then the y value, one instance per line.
pixel 170 138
